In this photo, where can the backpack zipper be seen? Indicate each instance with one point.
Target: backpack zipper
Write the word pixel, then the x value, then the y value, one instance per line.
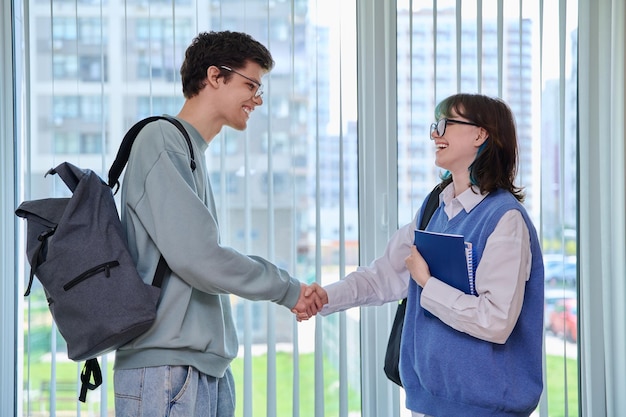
pixel 105 267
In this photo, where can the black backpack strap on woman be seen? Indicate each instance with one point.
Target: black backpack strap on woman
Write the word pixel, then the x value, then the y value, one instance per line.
pixel 392 356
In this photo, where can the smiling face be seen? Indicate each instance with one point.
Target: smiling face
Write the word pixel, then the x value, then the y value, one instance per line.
pixel 237 95
pixel 481 147
pixel 458 146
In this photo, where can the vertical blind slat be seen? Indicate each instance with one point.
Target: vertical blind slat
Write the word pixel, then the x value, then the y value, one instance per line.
pixel 318 357
pixel 479 44
pixel 53 336
pixel 271 322
pixel 435 11
pixel 247 360
pixel 248 364
pixel 561 140
pixel 343 373
pixel 500 48
pixel 459 41
pixel 543 404
pixel 295 392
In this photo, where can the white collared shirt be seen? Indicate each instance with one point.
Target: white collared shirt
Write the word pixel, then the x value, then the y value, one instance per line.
pixel 500 277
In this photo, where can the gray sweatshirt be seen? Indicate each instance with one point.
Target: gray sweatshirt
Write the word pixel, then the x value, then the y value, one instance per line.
pixel 168 209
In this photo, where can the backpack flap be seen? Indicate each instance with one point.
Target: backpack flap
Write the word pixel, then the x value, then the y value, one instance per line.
pixel 70 174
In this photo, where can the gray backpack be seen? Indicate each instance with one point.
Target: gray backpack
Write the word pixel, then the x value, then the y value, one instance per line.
pixel 77 249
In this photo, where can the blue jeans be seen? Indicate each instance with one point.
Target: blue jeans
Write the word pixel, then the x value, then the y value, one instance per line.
pixel 173 391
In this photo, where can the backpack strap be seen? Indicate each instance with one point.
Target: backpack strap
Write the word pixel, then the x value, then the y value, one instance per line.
pixel 127 142
pixel 431 206
pixel 160 272
pixel 38 257
pixel 122 158
pixel 91 370
pixel 392 354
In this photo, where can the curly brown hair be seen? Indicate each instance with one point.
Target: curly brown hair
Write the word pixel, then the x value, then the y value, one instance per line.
pixel 232 49
pixel 496 163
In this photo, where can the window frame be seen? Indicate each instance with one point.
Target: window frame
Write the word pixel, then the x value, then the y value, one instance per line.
pixel 9 353
pixel 599 252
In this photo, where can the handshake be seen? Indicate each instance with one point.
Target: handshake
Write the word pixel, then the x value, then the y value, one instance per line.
pixel 312 299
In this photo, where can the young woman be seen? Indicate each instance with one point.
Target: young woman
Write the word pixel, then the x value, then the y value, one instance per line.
pixel 474 355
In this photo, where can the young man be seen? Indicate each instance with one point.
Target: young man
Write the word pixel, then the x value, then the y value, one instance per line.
pixel 181 365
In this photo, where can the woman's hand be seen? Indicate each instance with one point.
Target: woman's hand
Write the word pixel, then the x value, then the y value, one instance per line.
pixel 418 267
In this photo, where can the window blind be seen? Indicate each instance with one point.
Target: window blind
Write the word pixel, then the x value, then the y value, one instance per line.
pixel 289 187
pixel 285 188
pixel 524 53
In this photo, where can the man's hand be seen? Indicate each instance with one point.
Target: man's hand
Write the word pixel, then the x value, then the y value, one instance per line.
pixel 312 299
pixel 418 267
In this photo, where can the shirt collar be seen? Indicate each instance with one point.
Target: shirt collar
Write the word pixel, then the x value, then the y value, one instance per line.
pixel 468 199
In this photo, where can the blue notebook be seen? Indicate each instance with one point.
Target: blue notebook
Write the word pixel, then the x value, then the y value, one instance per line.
pixel 449 258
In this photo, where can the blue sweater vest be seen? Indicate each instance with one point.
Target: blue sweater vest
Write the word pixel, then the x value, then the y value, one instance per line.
pixel 449 373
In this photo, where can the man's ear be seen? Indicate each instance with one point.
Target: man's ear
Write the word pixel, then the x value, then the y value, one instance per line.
pixel 212 76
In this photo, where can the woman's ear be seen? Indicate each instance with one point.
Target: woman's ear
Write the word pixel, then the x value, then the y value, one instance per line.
pixel 483 135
